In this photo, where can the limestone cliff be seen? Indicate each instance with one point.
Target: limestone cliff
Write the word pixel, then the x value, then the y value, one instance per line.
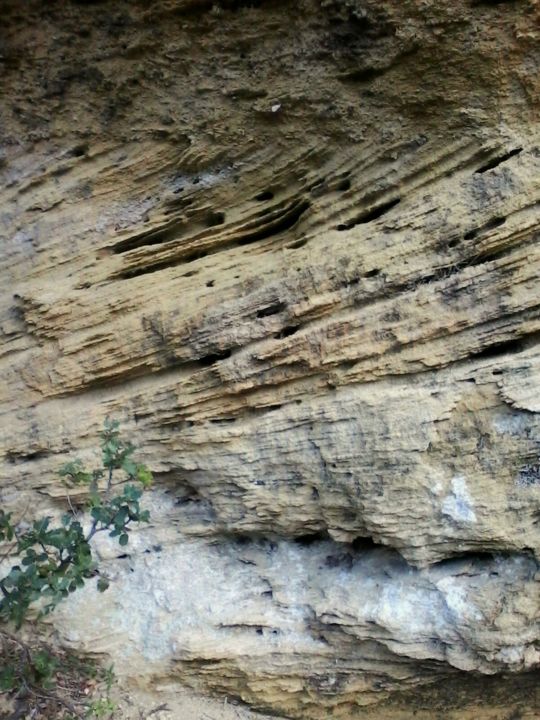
pixel 293 247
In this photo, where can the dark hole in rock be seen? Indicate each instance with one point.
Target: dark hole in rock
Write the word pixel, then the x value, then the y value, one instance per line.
pixel 498 160
pixel 494 223
pixel 372 273
pixel 215 218
pixel 264 196
pixel 14 456
pixel 490 225
pixel 363 544
pixel 361 75
pixel 144 270
pixel 210 283
pixel 272 310
pixel 312 538
pixel 370 215
pixel 474 555
pixel 287 331
pixel 209 360
pixel 286 221
pixel 79 150
pixel 500 348
pixel 344 185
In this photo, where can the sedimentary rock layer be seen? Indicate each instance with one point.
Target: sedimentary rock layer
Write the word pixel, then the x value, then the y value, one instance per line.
pixel 294 249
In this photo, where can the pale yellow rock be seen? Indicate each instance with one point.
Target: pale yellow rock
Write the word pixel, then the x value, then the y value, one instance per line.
pixel 294 249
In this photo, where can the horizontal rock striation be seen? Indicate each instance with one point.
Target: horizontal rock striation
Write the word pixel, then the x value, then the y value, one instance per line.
pixel 313 627
pixel 294 249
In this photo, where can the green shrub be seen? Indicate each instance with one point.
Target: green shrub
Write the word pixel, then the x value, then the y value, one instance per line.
pixel 55 559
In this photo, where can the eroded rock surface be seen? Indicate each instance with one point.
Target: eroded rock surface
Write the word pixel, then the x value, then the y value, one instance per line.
pixel 294 249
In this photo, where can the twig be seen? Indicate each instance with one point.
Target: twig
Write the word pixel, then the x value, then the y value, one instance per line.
pixel 8 552
pixel 73 511
pixel 16 641
pixel 159 708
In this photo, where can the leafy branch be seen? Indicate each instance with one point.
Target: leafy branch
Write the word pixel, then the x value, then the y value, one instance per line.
pixel 54 560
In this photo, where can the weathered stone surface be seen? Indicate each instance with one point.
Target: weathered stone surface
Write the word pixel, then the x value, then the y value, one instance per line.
pixel 295 250
pixel 312 629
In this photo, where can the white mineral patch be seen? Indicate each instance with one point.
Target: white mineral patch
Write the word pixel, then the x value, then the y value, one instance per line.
pixel 458 600
pixel 458 504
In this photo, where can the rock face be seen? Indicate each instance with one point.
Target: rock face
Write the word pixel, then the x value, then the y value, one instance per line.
pixel 293 247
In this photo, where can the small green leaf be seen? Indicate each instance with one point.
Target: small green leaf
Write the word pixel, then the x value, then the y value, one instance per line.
pixel 129 467
pixel 75 473
pixel 123 539
pixel 144 476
